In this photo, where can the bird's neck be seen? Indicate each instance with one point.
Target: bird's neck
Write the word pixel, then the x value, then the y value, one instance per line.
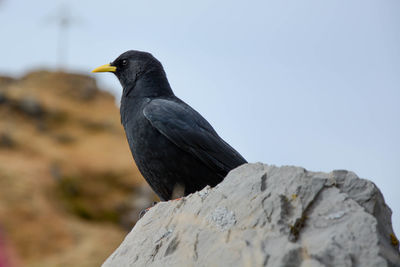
pixel 150 84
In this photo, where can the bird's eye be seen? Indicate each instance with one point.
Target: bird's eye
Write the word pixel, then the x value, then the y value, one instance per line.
pixel 124 62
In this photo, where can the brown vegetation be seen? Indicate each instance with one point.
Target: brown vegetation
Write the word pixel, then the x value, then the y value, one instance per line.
pixel 68 185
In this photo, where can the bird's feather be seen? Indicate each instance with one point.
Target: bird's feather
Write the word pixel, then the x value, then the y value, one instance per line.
pixel 188 130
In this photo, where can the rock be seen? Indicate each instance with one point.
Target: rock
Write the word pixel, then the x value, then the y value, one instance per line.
pixel 3 97
pixel 7 141
pixel 31 106
pixel 267 216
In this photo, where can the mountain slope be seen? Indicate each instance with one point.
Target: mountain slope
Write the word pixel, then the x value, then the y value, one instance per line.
pixel 67 178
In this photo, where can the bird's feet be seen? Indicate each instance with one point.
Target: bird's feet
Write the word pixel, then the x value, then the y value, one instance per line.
pixel 143 212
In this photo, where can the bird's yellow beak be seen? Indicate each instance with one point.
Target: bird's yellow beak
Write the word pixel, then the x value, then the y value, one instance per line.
pixel 105 68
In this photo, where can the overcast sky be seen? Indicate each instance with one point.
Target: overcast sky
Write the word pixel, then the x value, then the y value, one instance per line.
pixel 309 83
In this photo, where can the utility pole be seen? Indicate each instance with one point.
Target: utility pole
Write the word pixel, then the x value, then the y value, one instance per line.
pixel 64 20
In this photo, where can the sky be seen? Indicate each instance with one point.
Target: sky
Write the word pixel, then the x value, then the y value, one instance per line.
pixel 308 83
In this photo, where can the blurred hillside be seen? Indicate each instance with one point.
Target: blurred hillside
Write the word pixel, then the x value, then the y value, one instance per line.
pixel 69 189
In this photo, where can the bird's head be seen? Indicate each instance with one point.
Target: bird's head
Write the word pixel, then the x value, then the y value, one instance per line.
pixel 137 67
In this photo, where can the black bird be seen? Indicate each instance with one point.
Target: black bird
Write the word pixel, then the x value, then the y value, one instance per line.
pixel 177 151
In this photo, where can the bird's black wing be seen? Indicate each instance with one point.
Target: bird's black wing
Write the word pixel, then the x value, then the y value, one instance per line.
pixel 188 130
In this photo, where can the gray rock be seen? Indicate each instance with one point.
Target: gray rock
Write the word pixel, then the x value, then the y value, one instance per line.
pixel 267 216
pixel 31 106
pixel 7 141
pixel 3 98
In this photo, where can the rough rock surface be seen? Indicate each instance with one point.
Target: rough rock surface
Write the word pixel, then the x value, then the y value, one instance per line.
pixel 267 216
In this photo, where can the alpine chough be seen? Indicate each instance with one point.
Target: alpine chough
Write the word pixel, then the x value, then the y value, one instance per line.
pixel 177 151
